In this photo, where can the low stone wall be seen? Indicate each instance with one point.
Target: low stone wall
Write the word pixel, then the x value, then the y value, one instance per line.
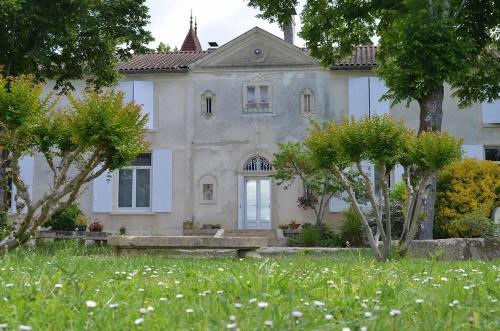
pixel 457 248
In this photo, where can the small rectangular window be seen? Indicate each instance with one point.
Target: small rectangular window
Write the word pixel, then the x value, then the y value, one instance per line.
pixel 251 95
pixel 492 154
pixel 134 183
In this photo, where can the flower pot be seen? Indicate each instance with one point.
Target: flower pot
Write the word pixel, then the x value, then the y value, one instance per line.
pixel 294 226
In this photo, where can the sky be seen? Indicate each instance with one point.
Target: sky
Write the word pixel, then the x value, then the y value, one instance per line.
pixel 218 20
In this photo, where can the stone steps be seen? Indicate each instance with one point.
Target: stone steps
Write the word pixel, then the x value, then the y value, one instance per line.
pixel 271 235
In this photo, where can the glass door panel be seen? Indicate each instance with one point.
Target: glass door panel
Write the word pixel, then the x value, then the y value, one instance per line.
pixel 265 200
pixel 251 203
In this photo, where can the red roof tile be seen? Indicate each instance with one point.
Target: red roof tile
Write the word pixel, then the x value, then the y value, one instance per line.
pixel 161 62
pixel 363 57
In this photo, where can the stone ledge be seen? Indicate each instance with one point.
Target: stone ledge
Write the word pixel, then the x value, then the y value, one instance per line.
pixel 193 242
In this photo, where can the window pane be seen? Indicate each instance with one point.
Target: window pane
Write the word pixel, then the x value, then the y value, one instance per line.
pixel 142 160
pixel 251 203
pixel 492 154
pixel 265 200
pixel 208 102
pixel 264 97
pixel 142 191
pixel 125 188
pixel 307 102
pixel 250 94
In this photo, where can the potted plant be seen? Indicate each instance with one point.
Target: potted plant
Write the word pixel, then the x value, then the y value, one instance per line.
pixel 123 230
pixel 81 222
pixel 95 227
pixel 294 225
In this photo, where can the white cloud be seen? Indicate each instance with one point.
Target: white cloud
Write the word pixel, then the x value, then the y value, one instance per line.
pixel 218 20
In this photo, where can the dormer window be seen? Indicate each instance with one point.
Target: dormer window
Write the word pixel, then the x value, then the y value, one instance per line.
pixel 257 97
pixel 208 103
pixel 307 102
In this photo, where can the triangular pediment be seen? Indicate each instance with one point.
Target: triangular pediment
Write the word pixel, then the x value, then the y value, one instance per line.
pixel 256 48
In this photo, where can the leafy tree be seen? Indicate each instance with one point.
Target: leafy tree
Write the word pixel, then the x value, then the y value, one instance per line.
pixel 292 162
pixel 64 40
pixel 79 143
pixel 162 47
pixel 384 142
pixel 424 44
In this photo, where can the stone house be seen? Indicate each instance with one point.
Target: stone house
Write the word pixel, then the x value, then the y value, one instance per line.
pixel 216 117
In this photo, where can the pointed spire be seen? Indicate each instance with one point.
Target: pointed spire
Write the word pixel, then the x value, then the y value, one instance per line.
pixel 191 42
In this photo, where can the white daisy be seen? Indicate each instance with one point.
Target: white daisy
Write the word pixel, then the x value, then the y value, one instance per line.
pixel 58 286
pixel 268 323
pixel 25 328
pixel 231 326
pixel 368 314
pixel 296 314
pixel 139 321
pixel 328 317
pixel 262 304
pixel 91 304
pixel 395 312
pixel 419 301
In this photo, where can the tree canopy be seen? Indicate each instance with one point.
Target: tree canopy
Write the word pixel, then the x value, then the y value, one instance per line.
pixel 423 44
pixel 94 134
pixel 64 40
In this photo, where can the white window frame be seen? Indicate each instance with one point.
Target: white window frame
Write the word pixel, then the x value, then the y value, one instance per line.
pixel 258 106
pixel 134 188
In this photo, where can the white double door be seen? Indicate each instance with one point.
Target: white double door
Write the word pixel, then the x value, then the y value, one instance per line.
pixel 257 203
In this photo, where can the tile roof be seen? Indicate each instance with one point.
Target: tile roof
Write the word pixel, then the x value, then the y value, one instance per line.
pixel 363 58
pixel 161 62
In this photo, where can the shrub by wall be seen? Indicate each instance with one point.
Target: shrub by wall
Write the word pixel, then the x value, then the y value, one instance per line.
pixel 65 220
pixel 464 187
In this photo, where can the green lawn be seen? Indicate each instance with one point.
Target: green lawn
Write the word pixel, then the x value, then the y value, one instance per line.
pixel 68 287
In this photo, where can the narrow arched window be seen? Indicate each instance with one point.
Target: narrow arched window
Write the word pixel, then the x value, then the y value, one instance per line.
pixel 307 102
pixel 257 164
pixel 208 103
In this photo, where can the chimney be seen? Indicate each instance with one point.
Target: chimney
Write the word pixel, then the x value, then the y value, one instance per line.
pixel 289 31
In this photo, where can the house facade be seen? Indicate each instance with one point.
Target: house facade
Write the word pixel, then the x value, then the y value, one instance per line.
pixel 216 118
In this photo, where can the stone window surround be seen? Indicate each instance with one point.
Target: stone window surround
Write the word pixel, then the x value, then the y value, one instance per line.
pixel 203 105
pixel 257 109
pixel 312 102
pixel 207 180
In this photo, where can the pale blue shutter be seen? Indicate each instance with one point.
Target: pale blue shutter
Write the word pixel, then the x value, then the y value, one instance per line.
pixel 338 204
pixel 127 87
pixel 241 202
pixel 144 96
pixel 491 112
pixel 358 97
pixel 377 90
pixel 476 151
pixel 162 181
pixel 102 193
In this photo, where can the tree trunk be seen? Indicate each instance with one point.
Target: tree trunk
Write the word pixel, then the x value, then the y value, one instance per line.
pixel 431 117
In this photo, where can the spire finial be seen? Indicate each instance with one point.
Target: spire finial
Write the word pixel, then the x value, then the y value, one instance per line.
pixel 195 25
pixel 191 20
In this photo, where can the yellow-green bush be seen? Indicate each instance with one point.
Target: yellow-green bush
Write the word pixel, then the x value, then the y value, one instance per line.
pixel 463 187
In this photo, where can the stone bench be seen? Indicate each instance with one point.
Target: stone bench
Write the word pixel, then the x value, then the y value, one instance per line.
pixel 133 245
pixel 88 237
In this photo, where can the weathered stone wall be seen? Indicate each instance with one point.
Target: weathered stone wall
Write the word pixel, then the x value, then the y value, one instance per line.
pixel 457 248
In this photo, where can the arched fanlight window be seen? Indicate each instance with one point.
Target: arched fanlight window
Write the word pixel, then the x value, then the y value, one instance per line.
pixel 257 164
